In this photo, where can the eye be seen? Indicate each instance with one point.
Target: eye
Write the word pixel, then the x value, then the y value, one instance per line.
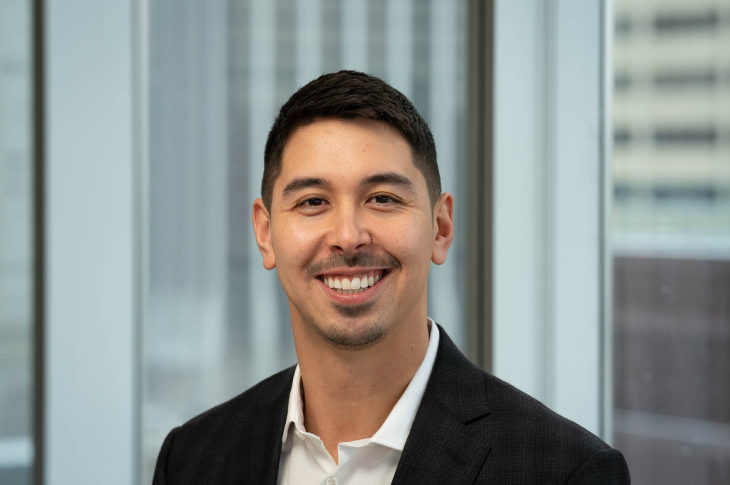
pixel 383 199
pixel 313 202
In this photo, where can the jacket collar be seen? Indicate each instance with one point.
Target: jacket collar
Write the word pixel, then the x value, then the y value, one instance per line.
pixel 448 442
pixel 457 383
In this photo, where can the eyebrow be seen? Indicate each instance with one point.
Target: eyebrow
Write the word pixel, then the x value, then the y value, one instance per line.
pixel 390 178
pixel 305 183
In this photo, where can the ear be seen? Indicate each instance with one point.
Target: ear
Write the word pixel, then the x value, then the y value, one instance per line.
pixel 262 230
pixel 443 223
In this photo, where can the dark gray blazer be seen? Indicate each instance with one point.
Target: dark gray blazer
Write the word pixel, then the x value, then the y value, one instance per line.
pixel 470 428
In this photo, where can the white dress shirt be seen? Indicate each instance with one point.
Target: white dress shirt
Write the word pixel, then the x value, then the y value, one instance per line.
pixel 305 460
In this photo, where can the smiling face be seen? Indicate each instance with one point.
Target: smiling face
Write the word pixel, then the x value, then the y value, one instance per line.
pixel 352 231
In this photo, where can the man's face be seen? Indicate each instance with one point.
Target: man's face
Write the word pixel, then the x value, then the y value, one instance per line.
pixel 351 230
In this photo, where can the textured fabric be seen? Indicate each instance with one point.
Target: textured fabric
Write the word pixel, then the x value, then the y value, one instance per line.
pixel 470 428
pixel 304 458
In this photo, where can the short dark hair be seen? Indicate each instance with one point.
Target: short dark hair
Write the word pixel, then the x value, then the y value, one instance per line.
pixel 350 95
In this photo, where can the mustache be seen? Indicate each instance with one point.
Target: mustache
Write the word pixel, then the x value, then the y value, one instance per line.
pixel 364 260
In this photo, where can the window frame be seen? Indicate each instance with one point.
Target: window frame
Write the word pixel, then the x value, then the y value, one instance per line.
pixel 549 321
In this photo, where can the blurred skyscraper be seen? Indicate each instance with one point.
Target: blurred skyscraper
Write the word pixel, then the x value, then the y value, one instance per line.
pixel 671 163
pixel 671 239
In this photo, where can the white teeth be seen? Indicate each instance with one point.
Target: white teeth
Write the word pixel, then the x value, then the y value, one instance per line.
pixel 353 285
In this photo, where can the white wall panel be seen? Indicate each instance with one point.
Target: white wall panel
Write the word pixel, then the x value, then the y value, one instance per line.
pixel 91 427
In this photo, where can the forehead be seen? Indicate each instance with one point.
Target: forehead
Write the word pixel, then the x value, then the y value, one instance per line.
pixel 346 150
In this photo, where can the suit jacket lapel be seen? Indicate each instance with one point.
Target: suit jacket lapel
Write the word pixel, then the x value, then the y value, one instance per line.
pixel 255 455
pixel 448 442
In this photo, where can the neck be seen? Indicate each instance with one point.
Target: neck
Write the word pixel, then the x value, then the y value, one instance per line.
pixel 349 394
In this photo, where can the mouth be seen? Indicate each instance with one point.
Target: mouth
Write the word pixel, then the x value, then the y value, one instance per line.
pixel 353 284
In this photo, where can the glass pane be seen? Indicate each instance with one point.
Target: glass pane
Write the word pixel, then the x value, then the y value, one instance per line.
pixel 16 246
pixel 215 321
pixel 671 240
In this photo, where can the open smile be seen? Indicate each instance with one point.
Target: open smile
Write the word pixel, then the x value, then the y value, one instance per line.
pixel 352 287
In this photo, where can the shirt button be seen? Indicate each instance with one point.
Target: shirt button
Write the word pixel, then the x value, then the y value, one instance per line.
pixel 332 481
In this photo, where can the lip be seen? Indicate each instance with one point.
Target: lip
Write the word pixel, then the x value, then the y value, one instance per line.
pixel 351 271
pixel 362 297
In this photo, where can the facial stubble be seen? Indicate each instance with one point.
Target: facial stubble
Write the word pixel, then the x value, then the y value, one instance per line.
pixel 341 334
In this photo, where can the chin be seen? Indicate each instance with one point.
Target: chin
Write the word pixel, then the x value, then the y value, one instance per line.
pixel 353 333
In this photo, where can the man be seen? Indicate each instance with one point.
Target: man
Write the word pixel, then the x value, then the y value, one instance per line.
pixel 351 216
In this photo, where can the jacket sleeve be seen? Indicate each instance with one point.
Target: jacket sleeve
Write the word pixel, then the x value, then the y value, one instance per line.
pixel 605 467
pixel 160 476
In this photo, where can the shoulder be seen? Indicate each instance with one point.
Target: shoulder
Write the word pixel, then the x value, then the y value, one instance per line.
pixel 528 437
pixel 244 405
pixel 512 414
pixel 212 444
pixel 521 415
pixel 236 410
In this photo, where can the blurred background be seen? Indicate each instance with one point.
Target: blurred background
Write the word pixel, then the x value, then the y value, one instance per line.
pixel 587 144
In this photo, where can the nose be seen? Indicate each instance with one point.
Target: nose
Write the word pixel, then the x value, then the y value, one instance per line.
pixel 348 233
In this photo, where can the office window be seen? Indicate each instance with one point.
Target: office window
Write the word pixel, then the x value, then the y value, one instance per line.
pixel 214 320
pixel 16 244
pixel 671 241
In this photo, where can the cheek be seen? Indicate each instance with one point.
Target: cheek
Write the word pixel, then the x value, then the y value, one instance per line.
pixel 294 246
pixel 411 245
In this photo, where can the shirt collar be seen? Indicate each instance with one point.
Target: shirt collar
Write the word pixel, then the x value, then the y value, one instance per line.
pixel 394 431
pixel 295 411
